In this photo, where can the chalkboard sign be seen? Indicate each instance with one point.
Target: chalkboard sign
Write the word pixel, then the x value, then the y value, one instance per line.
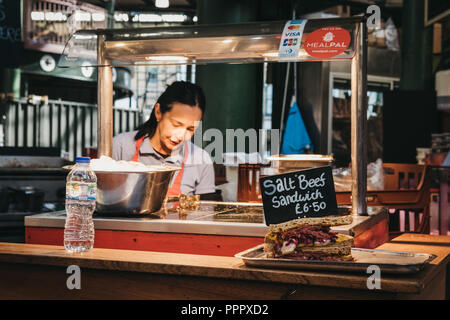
pixel 306 193
pixel 10 34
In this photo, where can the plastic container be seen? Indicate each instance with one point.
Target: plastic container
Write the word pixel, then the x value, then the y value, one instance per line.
pixel 81 189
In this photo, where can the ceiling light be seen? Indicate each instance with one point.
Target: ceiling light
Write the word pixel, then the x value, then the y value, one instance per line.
pixel 149 17
pixel 162 3
pixel 82 16
pixel 174 17
pixel 37 16
pixel 121 17
pixel 98 16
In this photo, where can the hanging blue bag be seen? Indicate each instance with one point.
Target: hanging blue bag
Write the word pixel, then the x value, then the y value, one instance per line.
pixel 296 138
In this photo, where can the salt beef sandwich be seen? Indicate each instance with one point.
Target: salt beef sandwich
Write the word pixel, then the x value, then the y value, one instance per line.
pixel 309 239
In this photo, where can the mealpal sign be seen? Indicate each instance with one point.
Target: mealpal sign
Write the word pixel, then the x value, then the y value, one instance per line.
pixel 301 194
pixel 327 42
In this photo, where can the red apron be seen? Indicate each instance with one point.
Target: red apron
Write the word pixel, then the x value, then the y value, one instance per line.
pixel 175 189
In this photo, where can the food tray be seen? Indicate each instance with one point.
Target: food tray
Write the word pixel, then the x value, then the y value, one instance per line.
pixel 388 261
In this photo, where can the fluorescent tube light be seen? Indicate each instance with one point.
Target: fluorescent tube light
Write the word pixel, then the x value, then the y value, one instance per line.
pixel 162 3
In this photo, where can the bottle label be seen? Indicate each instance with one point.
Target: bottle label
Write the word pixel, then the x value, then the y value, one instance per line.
pixel 81 191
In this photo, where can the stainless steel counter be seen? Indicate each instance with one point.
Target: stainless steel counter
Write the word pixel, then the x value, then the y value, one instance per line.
pixel 214 218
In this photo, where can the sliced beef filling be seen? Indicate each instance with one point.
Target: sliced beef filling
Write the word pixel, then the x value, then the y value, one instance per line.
pixel 309 234
pixel 305 235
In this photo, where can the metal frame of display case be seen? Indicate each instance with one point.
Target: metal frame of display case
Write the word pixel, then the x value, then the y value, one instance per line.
pixel 228 43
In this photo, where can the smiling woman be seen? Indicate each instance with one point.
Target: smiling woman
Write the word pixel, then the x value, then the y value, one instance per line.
pixel 165 139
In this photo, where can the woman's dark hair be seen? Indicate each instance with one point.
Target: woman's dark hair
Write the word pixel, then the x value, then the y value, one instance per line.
pixel 179 91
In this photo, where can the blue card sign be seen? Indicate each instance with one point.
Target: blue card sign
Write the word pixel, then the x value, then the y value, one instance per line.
pixel 301 194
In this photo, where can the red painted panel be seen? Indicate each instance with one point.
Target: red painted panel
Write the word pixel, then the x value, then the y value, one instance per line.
pixel 184 243
pixel 152 241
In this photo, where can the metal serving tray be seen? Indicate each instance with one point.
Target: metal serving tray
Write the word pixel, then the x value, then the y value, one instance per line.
pixel 388 261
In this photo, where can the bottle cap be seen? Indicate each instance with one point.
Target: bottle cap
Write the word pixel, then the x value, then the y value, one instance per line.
pixel 83 160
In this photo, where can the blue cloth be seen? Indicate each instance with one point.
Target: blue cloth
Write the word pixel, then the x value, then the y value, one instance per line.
pixel 295 138
pixel 446 162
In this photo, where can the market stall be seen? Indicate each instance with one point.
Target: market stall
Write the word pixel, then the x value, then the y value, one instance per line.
pixel 304 40
pixel 217 229
pixel 149 272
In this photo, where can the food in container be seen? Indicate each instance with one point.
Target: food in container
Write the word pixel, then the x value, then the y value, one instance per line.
pixel 130 188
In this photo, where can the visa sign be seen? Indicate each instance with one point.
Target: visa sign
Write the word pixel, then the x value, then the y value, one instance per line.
pixel 293 34
pixel 291 39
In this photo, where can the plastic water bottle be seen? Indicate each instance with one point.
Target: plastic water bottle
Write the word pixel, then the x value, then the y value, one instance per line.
pixel 81 188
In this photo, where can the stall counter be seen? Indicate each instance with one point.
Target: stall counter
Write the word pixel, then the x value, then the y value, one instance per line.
pixel 127 274
pixel 214 228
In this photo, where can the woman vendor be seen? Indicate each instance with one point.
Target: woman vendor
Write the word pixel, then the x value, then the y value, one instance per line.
pixel 165 139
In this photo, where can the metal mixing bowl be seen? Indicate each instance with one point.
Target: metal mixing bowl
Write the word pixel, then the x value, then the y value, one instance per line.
pixel 129 193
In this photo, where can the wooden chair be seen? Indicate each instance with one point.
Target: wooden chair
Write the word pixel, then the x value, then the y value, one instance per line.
pixel 409 177
pixel 400 176
pixel 407 188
